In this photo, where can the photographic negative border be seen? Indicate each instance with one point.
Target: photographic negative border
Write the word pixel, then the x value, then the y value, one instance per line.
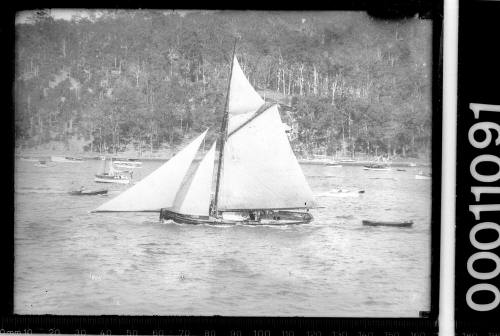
pixel 426 324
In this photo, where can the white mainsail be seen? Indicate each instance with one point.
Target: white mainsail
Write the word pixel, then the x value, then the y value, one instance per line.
pixel 260 170
pixel 195 198
pixel 157 190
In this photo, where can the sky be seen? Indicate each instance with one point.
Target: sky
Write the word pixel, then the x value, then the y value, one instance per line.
pixel 66 14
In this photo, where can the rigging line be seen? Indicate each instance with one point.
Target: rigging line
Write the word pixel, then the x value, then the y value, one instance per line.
pixel 223 132
pixel 264 107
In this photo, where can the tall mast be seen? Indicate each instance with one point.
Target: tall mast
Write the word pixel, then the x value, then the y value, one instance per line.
pixel 223 135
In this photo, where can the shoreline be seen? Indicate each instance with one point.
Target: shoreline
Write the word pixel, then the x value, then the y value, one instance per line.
pixel 96 156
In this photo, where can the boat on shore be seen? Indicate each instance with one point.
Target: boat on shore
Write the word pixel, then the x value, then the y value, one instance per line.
pixel 85 192
pixel 255 183
pixel 376 166
pixel 384 223
pixel 109 174
pixel 55 158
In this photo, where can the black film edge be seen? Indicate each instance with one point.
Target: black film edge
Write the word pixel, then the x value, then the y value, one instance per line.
pixel 477 266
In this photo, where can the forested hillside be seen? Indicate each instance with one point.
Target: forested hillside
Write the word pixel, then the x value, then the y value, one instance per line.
pixel 151 79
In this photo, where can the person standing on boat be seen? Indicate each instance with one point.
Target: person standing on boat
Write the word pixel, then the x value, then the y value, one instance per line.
pixel 211 206
pixel 258 215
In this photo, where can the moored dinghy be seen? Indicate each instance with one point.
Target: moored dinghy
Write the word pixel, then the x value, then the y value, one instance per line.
pixel 68 159
pixel 255 183
pixel 86 192
pixel 376 166
pixel 385 223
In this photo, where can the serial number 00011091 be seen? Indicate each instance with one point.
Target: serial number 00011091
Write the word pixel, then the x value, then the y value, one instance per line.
pixel 484 247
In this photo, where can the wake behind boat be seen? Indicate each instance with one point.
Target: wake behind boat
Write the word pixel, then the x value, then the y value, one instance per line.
pixel 255 183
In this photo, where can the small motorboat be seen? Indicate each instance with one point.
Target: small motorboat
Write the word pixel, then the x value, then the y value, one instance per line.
pixel 85 192
pixel 110 175
pixel 111 178
pixel 376 166
pixel 41 164
pixel 55 158
pixel 383 223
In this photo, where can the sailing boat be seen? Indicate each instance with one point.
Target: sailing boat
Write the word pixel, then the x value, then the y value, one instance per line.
pixel 257 180
pixel 109 174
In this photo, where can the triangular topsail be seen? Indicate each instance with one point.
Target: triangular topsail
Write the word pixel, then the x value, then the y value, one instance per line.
pixel 242 96
pixel 157 190
pixel 243 100
pixel 195 199
pixel 260 170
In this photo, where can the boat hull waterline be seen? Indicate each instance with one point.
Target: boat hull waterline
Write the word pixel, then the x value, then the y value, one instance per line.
pixel 277 218
pixel 111 179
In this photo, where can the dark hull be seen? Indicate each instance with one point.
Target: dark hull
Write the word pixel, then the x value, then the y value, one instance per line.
pixel 393 224
pixel 277 218
pixel 88 192
pixel 375 167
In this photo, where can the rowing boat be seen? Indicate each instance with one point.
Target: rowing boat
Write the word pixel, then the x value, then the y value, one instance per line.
pixel 383 223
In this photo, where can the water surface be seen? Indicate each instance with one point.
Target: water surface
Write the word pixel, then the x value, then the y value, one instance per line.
pixel 70 261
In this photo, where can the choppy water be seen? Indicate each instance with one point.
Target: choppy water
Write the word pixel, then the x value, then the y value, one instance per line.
pixel 69 261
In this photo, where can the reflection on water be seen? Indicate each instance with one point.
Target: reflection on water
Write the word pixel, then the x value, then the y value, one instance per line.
pixel 70 261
